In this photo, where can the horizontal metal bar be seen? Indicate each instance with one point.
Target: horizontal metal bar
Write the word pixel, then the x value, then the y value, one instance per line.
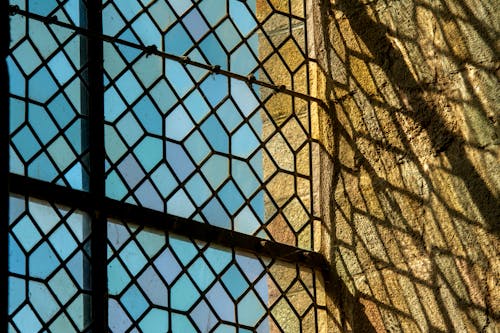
pixel 110 208
pixel 150 50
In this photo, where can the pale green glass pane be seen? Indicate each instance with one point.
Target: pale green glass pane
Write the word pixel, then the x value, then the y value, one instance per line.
pixel 155 321
pixel 180 6
pixel 213 10
pixel 178 124
pixel 229 115
pixel 183 294
pixel 244 142
pixel 197 147
pixel 228 34
pixel 215 214
pixel 250 309
pixel 201 274
pixel 216 170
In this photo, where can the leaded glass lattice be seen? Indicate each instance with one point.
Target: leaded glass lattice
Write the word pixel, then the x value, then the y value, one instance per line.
pixel 160 281
pixel 47 84
pixel 49 265
pixel 194 112
pixel 208 147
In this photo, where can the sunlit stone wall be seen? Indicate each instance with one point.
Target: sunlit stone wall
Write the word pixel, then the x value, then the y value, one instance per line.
pixel 411 172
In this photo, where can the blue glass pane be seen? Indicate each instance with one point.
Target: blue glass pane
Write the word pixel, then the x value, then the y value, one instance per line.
pixel 214 52
pixel 198 189
pixel 47 61
pixel 179 160
pixel 133 302
pixel 244 142
pixel 231 198
pixel 148 116
pixel 235 282
pixel 195 24
pixel 239 11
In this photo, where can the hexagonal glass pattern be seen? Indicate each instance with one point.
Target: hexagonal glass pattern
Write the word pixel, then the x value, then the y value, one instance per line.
pixel 211 148
pixel 160 282
pixel 47 95
pixel 49 268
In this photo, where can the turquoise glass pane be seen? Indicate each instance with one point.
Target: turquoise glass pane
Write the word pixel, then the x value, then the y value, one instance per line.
pixel 231 198
pixel 215 134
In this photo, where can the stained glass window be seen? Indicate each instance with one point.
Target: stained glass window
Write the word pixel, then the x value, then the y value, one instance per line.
pixel 176 137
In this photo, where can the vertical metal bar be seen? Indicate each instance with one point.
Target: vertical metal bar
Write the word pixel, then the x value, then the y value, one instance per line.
pixel 85 135
pixel 96 180
pixel 4 162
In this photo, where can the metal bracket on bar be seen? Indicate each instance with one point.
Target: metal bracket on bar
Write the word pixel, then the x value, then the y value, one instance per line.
pixel 216 69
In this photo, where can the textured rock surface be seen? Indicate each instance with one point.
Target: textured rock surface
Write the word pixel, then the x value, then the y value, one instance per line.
pixel 410 171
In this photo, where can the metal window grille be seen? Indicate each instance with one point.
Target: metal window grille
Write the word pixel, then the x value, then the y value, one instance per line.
pixel 160 167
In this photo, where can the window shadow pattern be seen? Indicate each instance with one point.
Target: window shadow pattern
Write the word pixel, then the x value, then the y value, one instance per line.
pixel 411 144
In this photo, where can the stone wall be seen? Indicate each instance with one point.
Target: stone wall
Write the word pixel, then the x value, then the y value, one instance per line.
pixel 410 171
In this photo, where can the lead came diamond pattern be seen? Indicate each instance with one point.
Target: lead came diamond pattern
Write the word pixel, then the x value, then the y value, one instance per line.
pixel 169 282
pixel 179 138
pixel 49 265
pixel 186 141
pixel 47 75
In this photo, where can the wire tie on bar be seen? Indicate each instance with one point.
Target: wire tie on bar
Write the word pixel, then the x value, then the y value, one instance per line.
pixel 13 10
pixel 52 19
pixel 216 69
pixel 150 50
pixel 251 78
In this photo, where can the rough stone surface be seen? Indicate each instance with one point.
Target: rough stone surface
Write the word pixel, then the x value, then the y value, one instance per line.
pixel 410 172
